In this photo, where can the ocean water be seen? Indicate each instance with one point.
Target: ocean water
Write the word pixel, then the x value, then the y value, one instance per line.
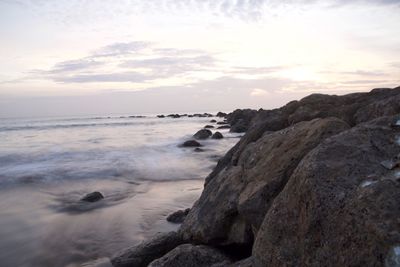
pixel 47 165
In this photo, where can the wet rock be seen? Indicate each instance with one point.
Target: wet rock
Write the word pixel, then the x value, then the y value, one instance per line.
pixel 221 114
pixel 161 116
pixel 191 255
pixel 217 135
pixel 202 134
pixel 222 123
pixel 322 213
pixel 92 197
pixel 208 127
pixel 147 251
pixel 198 149
pixel 178 216
pixel 174 116
pixel 191 143
pixel 213 121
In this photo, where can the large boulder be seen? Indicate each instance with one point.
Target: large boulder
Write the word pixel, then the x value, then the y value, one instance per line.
pixel 217 135
pixel 340 206
pixel 144 253
pixel 233 204
pixel 202 134
pixel 191 255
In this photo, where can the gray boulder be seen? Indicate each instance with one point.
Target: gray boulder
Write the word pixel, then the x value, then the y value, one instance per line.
pixel 144 253
pixel 202 134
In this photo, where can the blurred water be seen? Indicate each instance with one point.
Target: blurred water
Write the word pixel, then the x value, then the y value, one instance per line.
pixel 47 165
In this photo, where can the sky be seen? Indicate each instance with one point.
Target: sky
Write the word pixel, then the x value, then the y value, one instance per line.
pixel 81 57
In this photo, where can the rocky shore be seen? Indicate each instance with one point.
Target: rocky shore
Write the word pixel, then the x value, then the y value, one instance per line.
pixel 313 183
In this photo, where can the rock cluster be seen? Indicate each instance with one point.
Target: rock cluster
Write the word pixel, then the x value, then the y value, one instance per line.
pixel 314 183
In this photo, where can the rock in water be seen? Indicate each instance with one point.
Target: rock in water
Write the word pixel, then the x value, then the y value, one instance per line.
pixel 221 114
pixel 217 135
pixel 93 197
pixel 202 134
pixel 208 127
pixel 144 253
pixel 213 121
pixel 178 216
pixel 198 149
pixel 224 127
pixel 190 255
pixel 191 143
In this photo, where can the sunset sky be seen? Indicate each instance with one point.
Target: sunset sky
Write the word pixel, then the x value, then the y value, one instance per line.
pixel 134 56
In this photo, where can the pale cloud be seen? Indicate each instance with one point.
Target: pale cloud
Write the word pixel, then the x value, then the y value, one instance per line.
pixel 258 92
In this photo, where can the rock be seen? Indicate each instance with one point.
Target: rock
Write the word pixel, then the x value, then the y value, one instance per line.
pixel 240 119
pixel 191 143
pixel 221 114
pixel 161 116
pixel 222 123
pixel 178 216
pixel 144 253
pixel 197 149
pixel 234 203
pixel 191 255
pixel 208 127
pixel 224 127
pixel 217 135
pixel 240 126
pixel 324 213
pixel 213 121
pixel 202 134
pixel 174 116
pixel 92 197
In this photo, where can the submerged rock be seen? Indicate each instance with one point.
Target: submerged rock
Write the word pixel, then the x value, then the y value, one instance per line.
pixel 191 143
pixel 217 135
pixel 144 253
pixel 92 197
pixel 202 134
pixel 178 216
pixel 224 127
pixel 198 149
pixel 191 255
pixel 208 127
pixel 213 121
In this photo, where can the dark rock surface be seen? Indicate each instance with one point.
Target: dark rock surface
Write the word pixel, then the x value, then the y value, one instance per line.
pixel 224 127
pixel 208 127
pixel 339 204
pixel 202 134
pixel 213 121
pixel 198 149
pixel 93 197
pixel 191 143
pixel 178 216
pixel 144 253
pixel 217 135
pixel 221 114
pixel 193 256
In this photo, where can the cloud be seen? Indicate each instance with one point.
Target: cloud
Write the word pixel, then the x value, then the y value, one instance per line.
pixel 258 92
pixel 120 49
pixel 133 77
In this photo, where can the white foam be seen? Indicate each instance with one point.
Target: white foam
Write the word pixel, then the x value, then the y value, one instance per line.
pixel 367 183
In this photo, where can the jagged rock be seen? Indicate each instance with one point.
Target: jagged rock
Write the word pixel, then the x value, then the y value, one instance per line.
pixel 208 127
pixel 327 214
pixel 233 204
pixel 202 134
pixel 217 135
pixel 144 253
pixel 191 143
pixel 191 255
pixel 93 197
pixel 178 216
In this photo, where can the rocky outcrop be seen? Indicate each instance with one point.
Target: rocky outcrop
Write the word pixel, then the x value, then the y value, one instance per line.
pixel 236 200
pixel 313 183
pixel 340 204
pixel 191 255
pixel 144 253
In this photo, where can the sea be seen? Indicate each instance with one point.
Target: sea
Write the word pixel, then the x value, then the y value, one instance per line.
pixel 48 164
